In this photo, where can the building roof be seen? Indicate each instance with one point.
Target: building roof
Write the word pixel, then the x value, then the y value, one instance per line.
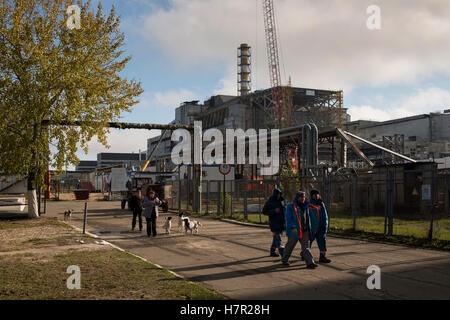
pixel 118 156
pixel 370 124
pixel 87 163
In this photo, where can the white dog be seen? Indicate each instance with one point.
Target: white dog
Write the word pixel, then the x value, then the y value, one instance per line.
pixel 191 225
pixel 68 215
pixel 181 217
pixel 168 225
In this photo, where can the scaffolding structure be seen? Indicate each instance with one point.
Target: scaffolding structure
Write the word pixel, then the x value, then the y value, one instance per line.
pixel 322 107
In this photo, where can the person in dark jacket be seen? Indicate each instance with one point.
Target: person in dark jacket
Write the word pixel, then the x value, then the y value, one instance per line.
pixel 151 204
pixel 136 206
pixel 274 208
pixel 318 216
pixel 298 230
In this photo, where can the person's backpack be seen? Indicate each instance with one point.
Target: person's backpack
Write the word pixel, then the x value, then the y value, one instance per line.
pixel 267 207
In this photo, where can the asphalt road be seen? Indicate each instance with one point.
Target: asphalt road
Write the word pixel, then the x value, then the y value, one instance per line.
pixel 234 260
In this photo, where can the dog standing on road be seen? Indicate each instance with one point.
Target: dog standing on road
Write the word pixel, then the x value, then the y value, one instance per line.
pixel 168 225
pixel 68 215
pixel 191 226
pixel 181 217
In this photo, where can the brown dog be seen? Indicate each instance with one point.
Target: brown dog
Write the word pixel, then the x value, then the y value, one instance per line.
pixel 68 215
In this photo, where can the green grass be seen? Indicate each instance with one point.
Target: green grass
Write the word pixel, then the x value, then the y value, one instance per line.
pixel 106 273
pixel 402 227
pixel 8 224
pixel 252 218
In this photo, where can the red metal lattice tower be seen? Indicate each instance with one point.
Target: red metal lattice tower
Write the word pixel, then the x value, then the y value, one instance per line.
pixel 274 112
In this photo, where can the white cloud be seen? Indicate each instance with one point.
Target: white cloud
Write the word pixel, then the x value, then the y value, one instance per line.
pixel 172 98
pixel 368 113
pixel 325 44
pixel 126 140
pixel 227 85
pixel 421 102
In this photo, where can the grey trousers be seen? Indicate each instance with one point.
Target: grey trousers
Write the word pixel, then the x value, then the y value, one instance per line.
pixel 304 242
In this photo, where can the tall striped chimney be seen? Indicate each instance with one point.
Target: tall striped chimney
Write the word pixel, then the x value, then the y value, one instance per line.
pixel 244 72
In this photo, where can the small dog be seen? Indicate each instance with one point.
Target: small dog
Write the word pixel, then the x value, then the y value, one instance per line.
pixel 68 215
pixel 191 225
pixel 168 224
pixel 181 217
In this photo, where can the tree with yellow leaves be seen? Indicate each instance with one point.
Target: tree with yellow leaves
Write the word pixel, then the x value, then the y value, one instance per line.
pixel 56 67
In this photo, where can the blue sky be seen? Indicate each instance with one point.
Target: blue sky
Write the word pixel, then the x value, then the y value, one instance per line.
pixel 186 50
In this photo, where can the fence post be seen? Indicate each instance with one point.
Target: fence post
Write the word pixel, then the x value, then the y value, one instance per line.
pixel 386 190
pixel 259 206
pixel 179 192
pixel 355 201
pixel 224 196
pixel 329 199
pixel 430 231
pixel 38 191
pixel 207 196
pixel 218 192
pixel 447 196
pixel 389 205
pixel 232 185
pixel 245 200
pixel 85 218
pixel 433 204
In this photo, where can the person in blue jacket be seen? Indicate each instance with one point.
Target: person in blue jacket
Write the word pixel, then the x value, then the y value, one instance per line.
pixel 318 217
pixel 274 208
pixel 298 230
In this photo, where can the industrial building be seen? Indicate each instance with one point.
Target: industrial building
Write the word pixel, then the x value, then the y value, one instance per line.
pixel 421 137
pixel 109 159
pixel 86 166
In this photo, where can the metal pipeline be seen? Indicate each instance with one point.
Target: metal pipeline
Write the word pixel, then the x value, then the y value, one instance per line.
pixel 310 147
pixel 314 145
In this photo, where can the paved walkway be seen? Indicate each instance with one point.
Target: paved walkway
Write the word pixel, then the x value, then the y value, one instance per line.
pixel 233 259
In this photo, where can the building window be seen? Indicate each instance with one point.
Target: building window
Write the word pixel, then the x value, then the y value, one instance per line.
pixel 412 138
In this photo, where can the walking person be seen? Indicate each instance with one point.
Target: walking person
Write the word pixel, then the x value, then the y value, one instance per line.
pixel 298 230
pixel 317 213
pixel 136 206
pixel 274 208
pixel 151 203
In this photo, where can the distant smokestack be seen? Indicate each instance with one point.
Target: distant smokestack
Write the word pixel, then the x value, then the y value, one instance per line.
pixel 244 73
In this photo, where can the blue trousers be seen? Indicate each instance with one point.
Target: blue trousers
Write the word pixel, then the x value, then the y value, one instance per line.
pixel 277 243
pixel 320 237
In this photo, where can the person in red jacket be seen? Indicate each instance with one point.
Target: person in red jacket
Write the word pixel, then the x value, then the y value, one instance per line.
pixel 298 230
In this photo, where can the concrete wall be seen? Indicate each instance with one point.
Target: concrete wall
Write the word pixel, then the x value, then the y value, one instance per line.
pixel 441 127
pixel 417 127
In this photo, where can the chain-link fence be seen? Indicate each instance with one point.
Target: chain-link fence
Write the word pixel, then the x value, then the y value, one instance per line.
pixel 389 200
